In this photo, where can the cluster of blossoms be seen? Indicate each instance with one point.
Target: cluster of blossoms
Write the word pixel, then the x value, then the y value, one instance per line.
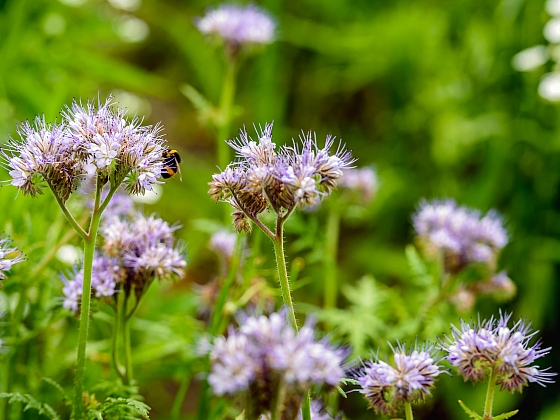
pixel 492 348
pixel 388 388
pixel 223 244
pixel 461 234
pixel 135 252
pixel 238 26
pixel 265 358
pixel 8 256
pixel 264 178
pixel 95 140
pixel 361 182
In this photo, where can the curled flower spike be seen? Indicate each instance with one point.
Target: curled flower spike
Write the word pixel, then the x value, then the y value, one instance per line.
pixel 264 178
pixel 388 388
pixel 491 347
pixel 8 256
pixel 238 26
pixel 265 356
pixel 462 234
pixel 89 136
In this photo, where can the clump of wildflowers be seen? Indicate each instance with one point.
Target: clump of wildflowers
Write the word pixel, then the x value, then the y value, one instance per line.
pixel 9 256
pixel 135 252
pixel 89 138
pixel 238 26
pixel 461 234
pixel 267 359
pixel 493 351
pixel 265 178
pixel 388 388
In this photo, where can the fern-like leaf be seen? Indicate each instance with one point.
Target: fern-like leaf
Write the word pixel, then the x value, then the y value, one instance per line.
pixel 30 403
pixel 472 415
pixel 120 409
pixel 507 415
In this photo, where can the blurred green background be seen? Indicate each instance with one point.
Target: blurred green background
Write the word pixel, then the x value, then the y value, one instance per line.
pixel 423 90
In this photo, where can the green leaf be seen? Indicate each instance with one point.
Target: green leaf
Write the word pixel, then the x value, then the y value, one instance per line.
pixel 30 403
pixel 507 415
pixel 59 388
pixel 470 413
pixel 120 409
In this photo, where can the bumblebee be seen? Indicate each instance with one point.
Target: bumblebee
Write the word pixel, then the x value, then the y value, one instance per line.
pixel 171 161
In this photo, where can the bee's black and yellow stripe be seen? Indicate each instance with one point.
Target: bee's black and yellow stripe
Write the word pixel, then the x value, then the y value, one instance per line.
pixel 171 161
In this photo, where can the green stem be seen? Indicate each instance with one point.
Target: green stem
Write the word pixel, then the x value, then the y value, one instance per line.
pixel 279 403
pixel 226 104
pixel 490 396
pixel 69 216
pixel 408 411
pixel 125 324
pixel 306 407
pixel 116 334
pixel 180 396
pixel 278 242
pixel 331 248
pixel 89 252
pixel 217 315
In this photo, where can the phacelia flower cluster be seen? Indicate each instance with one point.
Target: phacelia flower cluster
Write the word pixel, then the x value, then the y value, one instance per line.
pixel 265 355
pixel 8 256
pixel 492 347
pixel 462 234
pixel 89 137
pixel 238 26
pixel 135 252
pixel 265 178
pixel 388 388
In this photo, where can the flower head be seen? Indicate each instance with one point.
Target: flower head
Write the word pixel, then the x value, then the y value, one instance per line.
pixel 264 178
pixel 360 181
pixel 478 351
pixel 89 136
pixel 460 233
pixel 238 26
pixel 135 252
pixel 8 256
pixel 388 387
pixel 266 352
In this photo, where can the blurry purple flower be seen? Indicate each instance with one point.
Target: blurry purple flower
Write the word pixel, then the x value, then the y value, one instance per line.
pixel 223 243
pixel 238 25
pixel 387 388
pixel 266 352
pixel 491 347
pixel 460 233
pixel 8 256
pixel 361 181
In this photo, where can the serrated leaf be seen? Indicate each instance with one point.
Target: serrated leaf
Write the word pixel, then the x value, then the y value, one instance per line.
pixel 58 387
pixel 341 392
pixel 507 415
pixel 421 275
pixel 472 415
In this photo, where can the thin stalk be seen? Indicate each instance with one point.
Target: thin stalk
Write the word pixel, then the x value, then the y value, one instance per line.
pixel 279 403
pixel 180 396
pixel 408 411
pixel 69 216
pixel 331 251
pixel 226 104
pixel 283 273
pixel 125 324
pixel 216 319
pixel 306 407
pixel 490 396
pixel 89 251
pixel 116 335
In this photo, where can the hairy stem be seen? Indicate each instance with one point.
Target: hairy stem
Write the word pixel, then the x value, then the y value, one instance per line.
pixel 116 334
pixel 125 325
pixel 331 248
pixel 75 225
pixel 490 396
pixel 408 411
pixel 283 274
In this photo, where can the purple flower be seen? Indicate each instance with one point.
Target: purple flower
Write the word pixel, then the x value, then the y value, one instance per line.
pixel 387 388
pixel 266 353
pixel 360 181
pixel 238 25
pixel 460 233
pixel 265 178
pixel 98 137
pixel 8 256
pixel 491 347
pixel 223 243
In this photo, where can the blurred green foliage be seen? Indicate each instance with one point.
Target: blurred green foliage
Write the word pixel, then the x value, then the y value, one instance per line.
pixel 424 90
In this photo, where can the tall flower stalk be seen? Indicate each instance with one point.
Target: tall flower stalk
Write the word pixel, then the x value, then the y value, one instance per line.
pixel 91 141
pixel 263 179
